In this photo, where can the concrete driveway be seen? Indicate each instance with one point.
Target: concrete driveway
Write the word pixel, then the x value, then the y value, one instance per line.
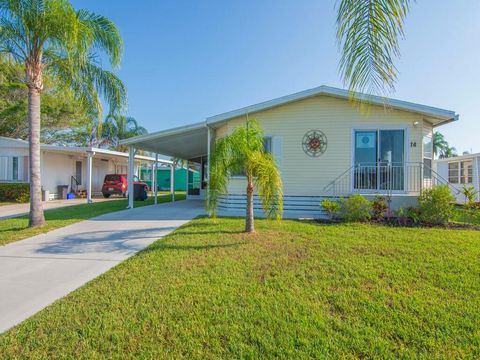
pixel 15 210
pixel 37 271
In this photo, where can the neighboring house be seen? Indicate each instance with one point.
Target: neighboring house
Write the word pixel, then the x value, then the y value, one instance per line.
pixel 460 171
pixel 163 178
pixel 62 165
pixel 324 146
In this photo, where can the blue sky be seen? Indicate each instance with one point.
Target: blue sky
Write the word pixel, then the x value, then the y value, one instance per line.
pixel 186 60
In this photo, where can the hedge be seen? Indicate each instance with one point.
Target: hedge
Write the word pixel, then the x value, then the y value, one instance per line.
pixel 19 193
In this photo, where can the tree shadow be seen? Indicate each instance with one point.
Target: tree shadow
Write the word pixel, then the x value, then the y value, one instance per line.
pixel 102 242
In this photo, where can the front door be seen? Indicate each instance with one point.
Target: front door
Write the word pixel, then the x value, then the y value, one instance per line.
pixel 379 160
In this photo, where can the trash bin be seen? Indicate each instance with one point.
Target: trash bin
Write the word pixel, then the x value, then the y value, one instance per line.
pixel 139 192
pixel 45 195
pixel 62 191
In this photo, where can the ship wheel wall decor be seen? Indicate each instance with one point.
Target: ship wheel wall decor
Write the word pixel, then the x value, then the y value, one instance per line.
pixel 314 143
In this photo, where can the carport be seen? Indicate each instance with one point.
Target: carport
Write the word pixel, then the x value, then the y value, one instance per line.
pixel 190 143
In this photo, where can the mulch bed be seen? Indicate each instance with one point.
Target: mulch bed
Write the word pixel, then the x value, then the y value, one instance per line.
pixel 409 223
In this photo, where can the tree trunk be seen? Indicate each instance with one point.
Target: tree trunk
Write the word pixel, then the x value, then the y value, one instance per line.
pixel 249 226
pixel 36 209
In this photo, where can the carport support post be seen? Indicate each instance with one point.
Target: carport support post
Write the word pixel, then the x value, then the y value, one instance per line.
pixel 154 180
pixel 172 181
pixel 89 175
pixel 131 164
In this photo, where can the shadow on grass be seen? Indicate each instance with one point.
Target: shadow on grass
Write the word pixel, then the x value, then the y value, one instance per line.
pixel 161 246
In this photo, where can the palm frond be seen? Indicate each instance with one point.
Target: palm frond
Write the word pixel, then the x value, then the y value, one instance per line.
pixel 368 33
pixel 268 183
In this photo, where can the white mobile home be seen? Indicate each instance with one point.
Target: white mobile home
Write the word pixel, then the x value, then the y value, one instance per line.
pixel 460 171
pixel 324 146
pixel 63 165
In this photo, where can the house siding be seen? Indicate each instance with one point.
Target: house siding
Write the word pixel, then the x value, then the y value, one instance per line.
pixel 303 175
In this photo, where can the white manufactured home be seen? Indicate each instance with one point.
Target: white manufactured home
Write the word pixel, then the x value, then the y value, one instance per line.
pixel 79 168
pixel 324 146
pixel 460 171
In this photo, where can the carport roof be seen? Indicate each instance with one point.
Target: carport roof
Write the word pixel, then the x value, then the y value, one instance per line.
pixel 184 142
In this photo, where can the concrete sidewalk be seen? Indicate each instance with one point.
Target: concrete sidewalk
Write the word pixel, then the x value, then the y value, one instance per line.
pixel 15 210
pixel 37 271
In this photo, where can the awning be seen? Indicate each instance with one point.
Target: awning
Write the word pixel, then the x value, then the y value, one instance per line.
pixel 185 142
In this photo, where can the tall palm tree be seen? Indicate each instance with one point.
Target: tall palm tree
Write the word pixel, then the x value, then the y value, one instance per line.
pixel 368 32
pixel 439 143
pixel 243 150
pixel 119 127
pixel 49 36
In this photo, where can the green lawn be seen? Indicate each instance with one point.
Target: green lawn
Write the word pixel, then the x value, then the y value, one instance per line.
pixel 3 203
pixel 294 289
pixel 17 228
pixel 464 216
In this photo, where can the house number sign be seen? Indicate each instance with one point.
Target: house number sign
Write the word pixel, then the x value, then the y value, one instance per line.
pixel 314 143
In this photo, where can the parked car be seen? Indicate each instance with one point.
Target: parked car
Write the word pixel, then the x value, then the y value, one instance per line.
pixel 117 184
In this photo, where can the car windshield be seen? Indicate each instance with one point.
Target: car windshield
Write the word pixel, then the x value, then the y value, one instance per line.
pixel 112 178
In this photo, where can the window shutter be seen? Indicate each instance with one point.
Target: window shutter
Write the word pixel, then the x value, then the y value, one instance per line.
pixel 277 151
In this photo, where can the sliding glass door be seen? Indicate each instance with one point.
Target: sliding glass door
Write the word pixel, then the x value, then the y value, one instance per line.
pixel 379 160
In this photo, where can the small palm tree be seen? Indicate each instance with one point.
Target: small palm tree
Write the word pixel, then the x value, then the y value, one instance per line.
pixel 243 151
pixel 120 127
pixel 50 37
pixel 368 32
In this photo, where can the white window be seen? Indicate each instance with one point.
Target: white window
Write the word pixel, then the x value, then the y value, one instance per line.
pixel 453 172
pixel 460 172
pixel 427 153
pixel 12 168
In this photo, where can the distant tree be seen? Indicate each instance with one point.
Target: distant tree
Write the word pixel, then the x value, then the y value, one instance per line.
pixel 119 127
pixel 439 143
pixel 243 151
pixel 60 109
pixel 448 152
pixel 51 37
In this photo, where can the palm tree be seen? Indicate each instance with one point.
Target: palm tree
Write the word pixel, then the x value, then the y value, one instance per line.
pixel 439 143
pixel 367 33
pixel 449 152
pixel 120 127
pixel 50 37
pixel 243 150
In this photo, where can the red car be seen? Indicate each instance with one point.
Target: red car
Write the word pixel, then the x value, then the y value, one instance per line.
pixel 117 184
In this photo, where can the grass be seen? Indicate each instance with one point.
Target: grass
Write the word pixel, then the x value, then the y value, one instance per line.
pixel 15 229
pixel 292 290
pixel 463 215
pixel 3 203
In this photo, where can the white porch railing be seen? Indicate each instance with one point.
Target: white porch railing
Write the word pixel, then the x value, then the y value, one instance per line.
pixel 387 179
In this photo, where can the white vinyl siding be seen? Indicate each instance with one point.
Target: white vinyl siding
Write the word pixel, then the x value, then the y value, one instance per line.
pixel 303 175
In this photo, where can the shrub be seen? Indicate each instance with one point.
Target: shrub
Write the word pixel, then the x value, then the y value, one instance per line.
pixel 407 215
pixel 19 193
pixel 470 194
pixel 355 208
pixel 436 205
pixel 332 207
pixel 379 206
